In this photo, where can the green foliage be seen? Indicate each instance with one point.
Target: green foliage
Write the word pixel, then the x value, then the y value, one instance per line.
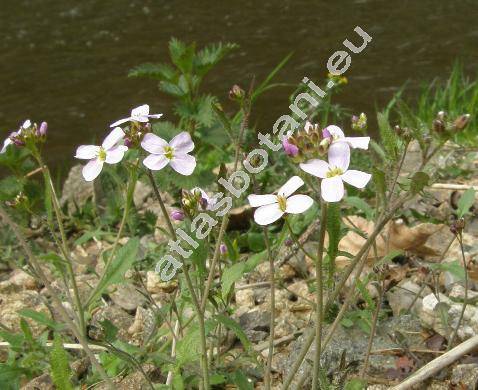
pixel 60 369
pixel 230 276
pixel 466 202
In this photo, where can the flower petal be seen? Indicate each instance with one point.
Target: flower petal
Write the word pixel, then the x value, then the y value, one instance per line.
pixel 87 152
pixel 141 111
pixel 355 178
pixel 153 144
pixel 182 143
pixel 335 131
pixel 270 213
pixel 115 155
pixel 92 169
pixel 290 186
pixel 332 189
pixel 318 168
pixel 7 142
pixel 111 140
pixel 120 122
pixel 261 200
pixel 27 124
pixel 155 116
pixel 339 155
pixel 358 142
pixel 183 164
pixel 297 204
pixel 155 162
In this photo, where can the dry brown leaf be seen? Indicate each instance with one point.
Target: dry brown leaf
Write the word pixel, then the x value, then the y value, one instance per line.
pixel 395 236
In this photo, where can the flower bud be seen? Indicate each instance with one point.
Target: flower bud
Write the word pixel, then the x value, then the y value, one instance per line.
pixel 236 93
pixel 127 142
pixel 147 128
pixel 359 123
pixel 438 126
pixel 17 139
pixel 288 242
pixel 457 226
pixel 441 115
pixel 41 131
pixel 289 148
pixel 461 122
pixel 177 215
pixel 223 249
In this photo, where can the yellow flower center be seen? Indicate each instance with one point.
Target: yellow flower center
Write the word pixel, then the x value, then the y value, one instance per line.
pixel 168 152
pixel 102 154
pixel 282 201
pixel 334 172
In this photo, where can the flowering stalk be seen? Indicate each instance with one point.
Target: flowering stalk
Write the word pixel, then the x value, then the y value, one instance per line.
pixel 319 295
pixel 267 376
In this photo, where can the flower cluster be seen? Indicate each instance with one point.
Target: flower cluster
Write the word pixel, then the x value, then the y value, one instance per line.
pixel 27 132
pixel 118 141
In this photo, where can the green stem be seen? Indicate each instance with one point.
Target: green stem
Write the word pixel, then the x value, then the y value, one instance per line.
pixel 319 295
pixel 267 376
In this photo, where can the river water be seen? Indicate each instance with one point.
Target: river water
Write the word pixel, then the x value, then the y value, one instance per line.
pixel 66 61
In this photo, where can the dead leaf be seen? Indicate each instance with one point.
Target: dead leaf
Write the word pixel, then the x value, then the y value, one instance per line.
pixel 436 342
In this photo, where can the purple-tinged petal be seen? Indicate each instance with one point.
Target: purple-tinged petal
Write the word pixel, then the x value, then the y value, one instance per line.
pixel 318 168
pixel 261 200
pixel 291 186
pixel 155 162
pixel 182 143
pixel 335 131
pixel 268 214
pixel 355 178
pixel 332 189
pixel 339 155
pixel 87 152
pixel 358 142
pixel 141 111
pixel 289 148
pixel 92 169
pixel 6 143
pixel 297 204
pixel 116 154
pixel 112 139
pixel 183 164
pixel 153 144
pixel 326 133
pixel 27 124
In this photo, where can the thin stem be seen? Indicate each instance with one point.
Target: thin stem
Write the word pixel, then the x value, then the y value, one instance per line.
pixel 319 296
pixel 465 301
pixel 58 304
pixel 267 376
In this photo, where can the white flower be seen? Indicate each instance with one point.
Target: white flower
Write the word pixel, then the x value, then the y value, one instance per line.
pixel 335 172
pixel 174 153
pixel 272 207
pixel 138 114
pixel 110 152
pixel 337 135
pixel 27 124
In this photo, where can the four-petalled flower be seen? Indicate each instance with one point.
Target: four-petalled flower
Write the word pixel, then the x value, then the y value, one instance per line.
pixel 174 153
pixel 336 135
pixel 111 152
pixel 272 207
pixel 335 172
pixel 11 138
pixel 138 114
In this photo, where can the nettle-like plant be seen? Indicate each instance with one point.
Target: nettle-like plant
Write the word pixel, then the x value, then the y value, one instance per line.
pixel 176 157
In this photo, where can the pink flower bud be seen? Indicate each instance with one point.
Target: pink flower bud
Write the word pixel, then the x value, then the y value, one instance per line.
pixel 326 133
pixel 289 148
pixel 223 249
pixel 15 137
pixel 41 132
pixel 127 142
pixel 177 215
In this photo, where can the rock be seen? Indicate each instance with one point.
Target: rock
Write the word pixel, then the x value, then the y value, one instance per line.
pixel 465 376
pixel 118 317
pixel 245 298
pixel 127 297
pixel 255 324
pixel 141 192
pixel 458 292
pixel 402 296
pixel 155 285
pixel 42 382
pixel 136 380
pixel 143 325
pixel 23 280
pixel 76 191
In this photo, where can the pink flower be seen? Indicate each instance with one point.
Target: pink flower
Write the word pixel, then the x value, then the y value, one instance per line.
pixel 335 172
pixel 337 135
pixel 177 215
pixel 223 249
pixel 110 152
pixel 272 207
pixel 174 153
pixel 138 114
pixel 289 148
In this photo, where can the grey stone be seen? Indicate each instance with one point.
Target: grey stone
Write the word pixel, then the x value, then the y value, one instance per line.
pixel 465 374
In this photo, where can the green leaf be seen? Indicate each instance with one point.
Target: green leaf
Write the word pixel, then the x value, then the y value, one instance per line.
pixel 419 181
pixel 241 381
pixel 161 72
pixel 253 261
pixel 60 369
pixel 230 276
pixel 181 55
pixel 199 256
pixel 361 205
pixel 356 384
pixel 41 318
pixel 255 241
pixel 465 202
pixel 188 348
pixel 123 261
pixel 453 267
pixel 236 328
pixel 263 86
pixel 10 187
pixel 390 140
